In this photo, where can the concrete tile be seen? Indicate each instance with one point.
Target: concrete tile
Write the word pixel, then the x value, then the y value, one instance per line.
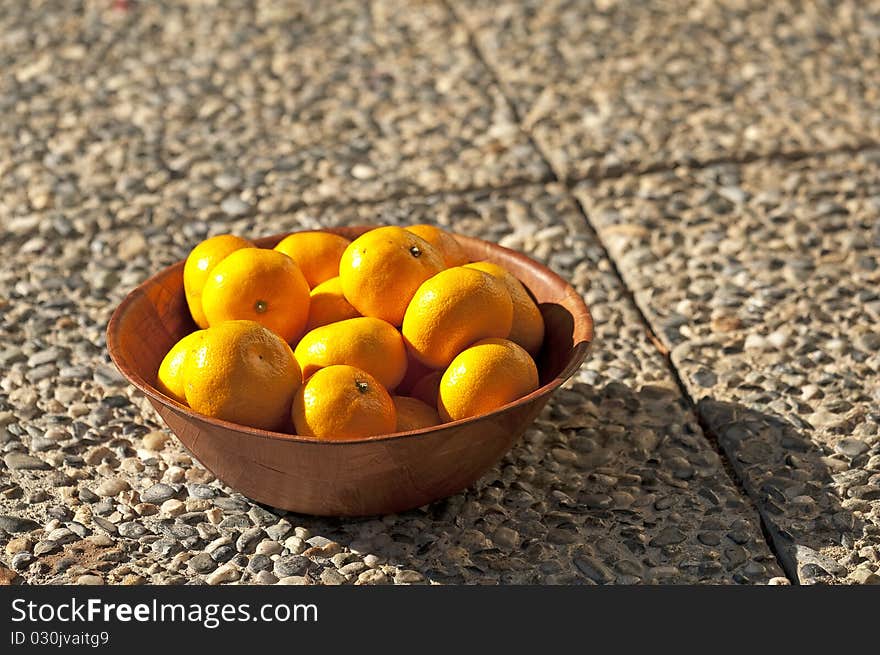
pixel 609 87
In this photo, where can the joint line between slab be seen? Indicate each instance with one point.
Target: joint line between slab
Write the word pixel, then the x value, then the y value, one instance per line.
pixel 406 195
pixel 709 435
pixel 505 93
pixel 741 160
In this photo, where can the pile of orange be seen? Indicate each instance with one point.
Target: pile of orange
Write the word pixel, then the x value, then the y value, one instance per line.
pixel 337 339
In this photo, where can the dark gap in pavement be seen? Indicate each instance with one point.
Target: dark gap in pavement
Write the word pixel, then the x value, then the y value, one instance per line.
pixel 769 452
pixel 710 436
pixel 478 54
pixel 423 194
pixel 550 178
pixel 782 156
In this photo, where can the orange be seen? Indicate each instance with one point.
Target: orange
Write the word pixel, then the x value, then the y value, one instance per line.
pixel 450 249
pixel 452 310
pixel 527 329
pixel 343 402
pixel 244 373
pixel 381 270
pixel 428 388
pixel 413 414
pixel 259 285
pixel 197 268
pixel 489 374
pixel 415 371
pixel 170 379
pixel 328 304
pixel 370 344
pixel 316 253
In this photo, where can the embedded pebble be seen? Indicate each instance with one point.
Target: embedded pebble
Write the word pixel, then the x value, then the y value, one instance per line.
pixel 864 575
pixel 155 440
pixel 372 577
pixel 158 493
pixel 268 547
pixel 24 462
pixel 235 206
pixel 408 577
pixel 131 530
pixel 668 536
pixel 294 580
pixel 851 447
pixel 202 563
pixel 332 577
pixel 265 578
pixel 223 574
pixel 90 579
pixel 172 508
pixel 44 547
pixel 291 565
pixel 14 524
pixel 248 539
pixel 112 487
pixel 18 545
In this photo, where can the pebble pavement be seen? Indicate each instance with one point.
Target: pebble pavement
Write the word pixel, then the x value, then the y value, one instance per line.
pixel 254 108
pixel 615 482
pixel 772 313
pixel 131 134
pixel 608 87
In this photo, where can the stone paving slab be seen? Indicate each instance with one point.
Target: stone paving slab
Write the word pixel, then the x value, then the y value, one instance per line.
pixel 615 482
pixel 256 106
pixel 609 87
pixel 763 281
pixel 42 37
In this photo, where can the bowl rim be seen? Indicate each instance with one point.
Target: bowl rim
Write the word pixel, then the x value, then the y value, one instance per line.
pixel 576 358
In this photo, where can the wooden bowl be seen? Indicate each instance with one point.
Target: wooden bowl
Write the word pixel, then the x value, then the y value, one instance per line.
pixel 376 475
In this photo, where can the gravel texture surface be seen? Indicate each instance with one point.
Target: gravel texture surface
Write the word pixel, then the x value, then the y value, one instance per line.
pixel 609 86
pixel 614 483
pixel 770 305
pixel 254 106
pixel 131 131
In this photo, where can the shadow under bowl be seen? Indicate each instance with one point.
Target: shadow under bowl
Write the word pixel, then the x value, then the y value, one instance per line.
pixel 376 475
